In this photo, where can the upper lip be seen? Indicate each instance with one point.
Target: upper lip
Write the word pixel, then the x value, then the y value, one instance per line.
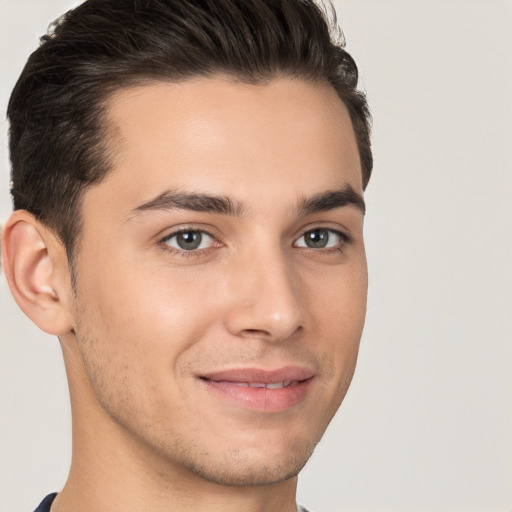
pixel 266 376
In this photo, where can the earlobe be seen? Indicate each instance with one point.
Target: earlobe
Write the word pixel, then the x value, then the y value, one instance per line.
pixel 33 261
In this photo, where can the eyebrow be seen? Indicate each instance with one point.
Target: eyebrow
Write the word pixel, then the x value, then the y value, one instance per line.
pixel 324 201
pixel 171 200
pixel 331 200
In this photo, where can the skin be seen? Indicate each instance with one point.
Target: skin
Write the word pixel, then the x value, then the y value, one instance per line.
pixel 148 319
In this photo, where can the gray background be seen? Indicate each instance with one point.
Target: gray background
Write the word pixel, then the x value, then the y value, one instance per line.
pixel 427 424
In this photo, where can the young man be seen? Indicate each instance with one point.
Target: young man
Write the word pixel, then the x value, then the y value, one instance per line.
pixel 187 184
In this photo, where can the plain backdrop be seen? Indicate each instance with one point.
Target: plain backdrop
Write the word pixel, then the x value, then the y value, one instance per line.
pixel 427 424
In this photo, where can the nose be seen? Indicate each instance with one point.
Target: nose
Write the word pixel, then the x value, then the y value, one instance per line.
pixel 265 299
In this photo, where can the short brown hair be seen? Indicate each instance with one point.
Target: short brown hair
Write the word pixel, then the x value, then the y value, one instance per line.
pixel 57 129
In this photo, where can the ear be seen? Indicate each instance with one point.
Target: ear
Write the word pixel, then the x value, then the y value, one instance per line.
pixel 36 267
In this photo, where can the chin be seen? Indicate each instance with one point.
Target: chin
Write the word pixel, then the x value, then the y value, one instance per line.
pixel 240 468
pixel 249 475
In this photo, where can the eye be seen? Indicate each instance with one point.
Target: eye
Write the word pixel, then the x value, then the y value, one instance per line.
pixel 189 240
pixel 322 238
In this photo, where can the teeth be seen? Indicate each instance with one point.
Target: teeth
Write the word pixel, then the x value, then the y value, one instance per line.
pixel 275 385
pixel 270 385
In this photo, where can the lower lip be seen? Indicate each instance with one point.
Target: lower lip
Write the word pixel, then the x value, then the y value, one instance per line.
pixel 261 399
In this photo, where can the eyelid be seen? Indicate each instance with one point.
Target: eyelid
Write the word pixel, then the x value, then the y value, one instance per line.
pixel 203 234
pixel 162 242
pixel 345 238
pixel 169 231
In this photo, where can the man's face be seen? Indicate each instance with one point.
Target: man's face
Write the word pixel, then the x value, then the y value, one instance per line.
pixel 221 276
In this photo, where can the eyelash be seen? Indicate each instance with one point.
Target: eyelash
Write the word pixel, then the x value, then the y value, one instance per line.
pixel 182 252
pixel 194 253
pixel 345 239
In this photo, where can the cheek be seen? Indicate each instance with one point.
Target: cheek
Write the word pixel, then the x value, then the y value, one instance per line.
pixel 340 310
pixel 138 330
pixel 146 315
pixel 340 299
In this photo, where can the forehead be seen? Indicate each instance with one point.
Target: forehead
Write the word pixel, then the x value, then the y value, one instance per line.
pixel 230 137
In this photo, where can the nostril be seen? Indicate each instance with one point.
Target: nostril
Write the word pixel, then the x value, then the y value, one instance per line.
pixel 256 333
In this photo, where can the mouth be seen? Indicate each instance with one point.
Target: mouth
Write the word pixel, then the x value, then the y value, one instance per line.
pixel 267 385
pixel 260 390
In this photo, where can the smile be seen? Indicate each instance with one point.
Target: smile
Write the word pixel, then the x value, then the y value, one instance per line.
pixel 269 385
pixel 260 390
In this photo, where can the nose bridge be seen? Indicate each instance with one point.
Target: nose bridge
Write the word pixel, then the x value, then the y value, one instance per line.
pixel 267 301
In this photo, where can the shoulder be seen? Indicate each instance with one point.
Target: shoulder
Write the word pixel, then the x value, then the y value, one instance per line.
pixel 45 505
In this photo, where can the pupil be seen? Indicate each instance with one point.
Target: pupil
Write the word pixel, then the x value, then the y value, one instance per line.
pixel 317 239
pixel 189 240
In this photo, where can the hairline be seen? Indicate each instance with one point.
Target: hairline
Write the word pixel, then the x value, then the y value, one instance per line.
pixel 111 139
